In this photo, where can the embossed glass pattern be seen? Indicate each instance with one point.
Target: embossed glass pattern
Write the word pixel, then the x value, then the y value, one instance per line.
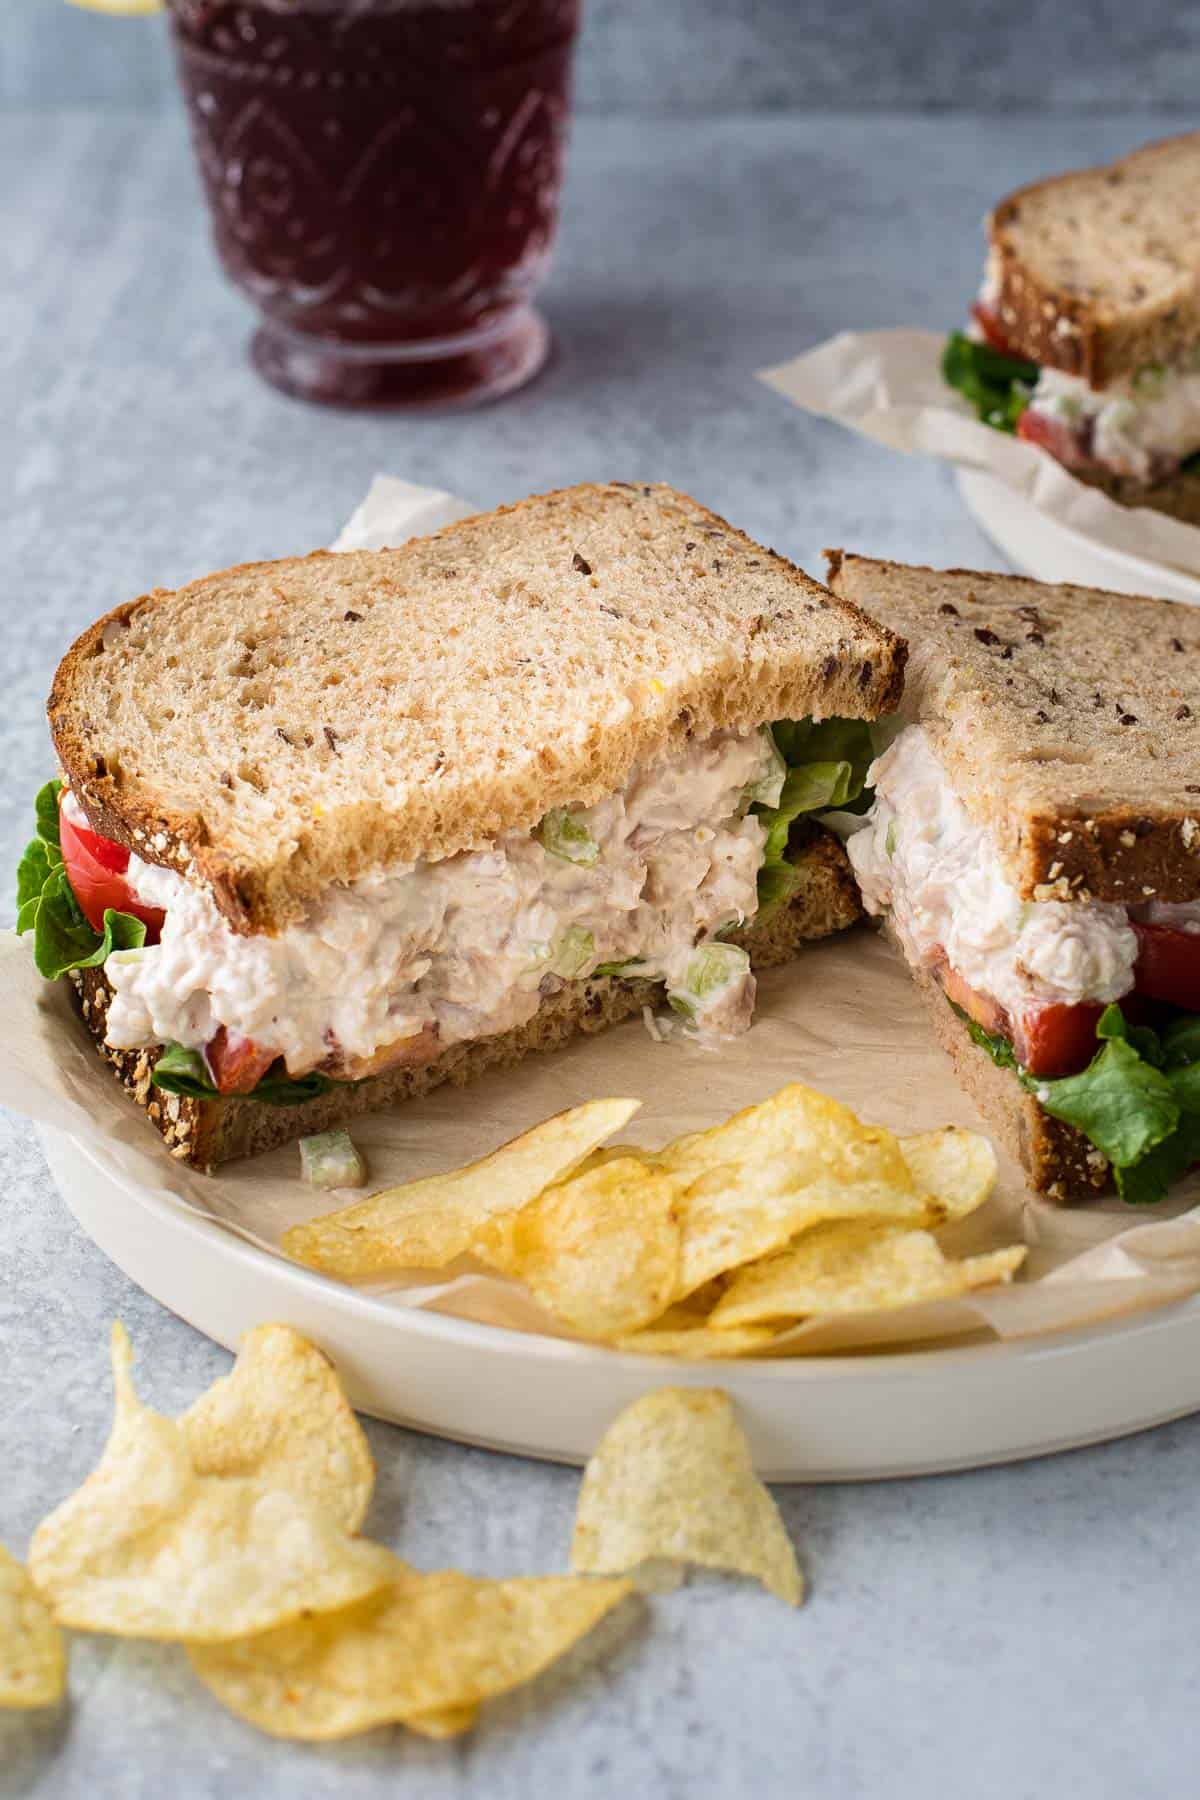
pixel 383 177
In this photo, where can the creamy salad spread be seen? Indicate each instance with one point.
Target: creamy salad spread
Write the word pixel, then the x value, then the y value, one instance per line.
pixel 1143 427
pixel 398 966
pixel 921 858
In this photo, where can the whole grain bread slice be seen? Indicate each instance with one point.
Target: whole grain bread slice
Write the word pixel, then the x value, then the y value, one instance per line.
pixel 204 1133
pixel 1097 272
pixel 1067 718
pixel 281 726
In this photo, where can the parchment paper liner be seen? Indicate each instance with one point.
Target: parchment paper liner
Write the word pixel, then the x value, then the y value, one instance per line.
pixel 887 385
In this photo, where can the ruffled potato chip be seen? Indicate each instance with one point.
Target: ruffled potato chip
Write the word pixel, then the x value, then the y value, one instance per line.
pixel 694 1343
pixel 672 1480
pixel 426 1224
pixel 955 1169
pixel 854 1266
pixel 281 1415
pixel 149 1548
pixel 447 1722
pixel 33 1656
pixel 425 1652
pixel 600 1252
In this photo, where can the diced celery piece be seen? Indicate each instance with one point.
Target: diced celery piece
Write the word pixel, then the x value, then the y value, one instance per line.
pixel 330 1160
pixel 562 835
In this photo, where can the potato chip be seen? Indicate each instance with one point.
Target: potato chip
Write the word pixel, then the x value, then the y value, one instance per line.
pixel 854 1266
pixel 694 1342
pixel 149 1548
pixel 808 1136
pixel 775 1169
pixel 280 1414
pixel 956 1169
pixel 672 1479
pixel 430 1647
pixel 600 1252
pixel 447 1722
pixel 426 1224
pixel 33 1656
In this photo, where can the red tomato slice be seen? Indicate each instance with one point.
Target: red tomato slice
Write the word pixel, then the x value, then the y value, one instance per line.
pixel 1056 1039
pixel 236 1064
pixel 986 1012
pixel 1049 1040
pixel 96 870
pixel 990 326
pixel 1168 965
pixel 1054 436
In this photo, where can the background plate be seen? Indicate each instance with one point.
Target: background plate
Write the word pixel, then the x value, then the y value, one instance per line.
pixel 1042 547
pixel 816 1419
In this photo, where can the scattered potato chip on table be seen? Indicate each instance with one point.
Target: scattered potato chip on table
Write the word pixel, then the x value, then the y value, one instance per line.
pixel 281 1415
pixel 148 1547
pixel 424 1652
pixel 33 1656
pixel 672 1480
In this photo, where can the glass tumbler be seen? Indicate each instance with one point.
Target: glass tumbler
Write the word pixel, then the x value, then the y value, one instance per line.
pixel 383 178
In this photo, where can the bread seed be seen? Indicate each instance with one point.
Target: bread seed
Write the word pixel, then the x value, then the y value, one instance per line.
pixel 331 738
pixel 1183 712
pixel 579 565
pixel 1128 718
pixel 1175 644
pixel 352 618
pixel 986 636
pixel 946 607
pixel 1034 637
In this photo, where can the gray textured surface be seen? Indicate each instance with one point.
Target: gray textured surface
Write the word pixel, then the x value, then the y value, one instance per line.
pixel 1018 1632
pixel 700 55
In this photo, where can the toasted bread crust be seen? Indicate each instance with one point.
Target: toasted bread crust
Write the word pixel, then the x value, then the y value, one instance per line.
pixel 348 751
pixel 1061 1164
pixel 1059 315
pixel 204 1133
pixel 1027 715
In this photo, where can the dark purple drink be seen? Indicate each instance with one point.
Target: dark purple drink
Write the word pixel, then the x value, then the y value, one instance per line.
pixel 384 178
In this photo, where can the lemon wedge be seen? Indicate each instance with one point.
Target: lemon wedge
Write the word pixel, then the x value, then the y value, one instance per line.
pixel 124 9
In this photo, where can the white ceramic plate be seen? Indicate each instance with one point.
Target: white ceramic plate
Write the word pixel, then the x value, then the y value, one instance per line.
pixel 815 1419
pixel 1042 547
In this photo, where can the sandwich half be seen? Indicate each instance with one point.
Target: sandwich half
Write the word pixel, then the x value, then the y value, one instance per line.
pixel 1085 337
pixel 333 831
pixel 1034 846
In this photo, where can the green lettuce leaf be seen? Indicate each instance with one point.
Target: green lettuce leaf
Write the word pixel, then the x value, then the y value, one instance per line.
pixel 63 939
pixel 1121 1103
pixel 997 386
pixel 46 905
pixel 1136 1101
pixel 827 765
pixel 182 1071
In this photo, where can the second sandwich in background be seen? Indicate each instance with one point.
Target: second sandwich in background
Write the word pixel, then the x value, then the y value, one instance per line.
pixel 1034 845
